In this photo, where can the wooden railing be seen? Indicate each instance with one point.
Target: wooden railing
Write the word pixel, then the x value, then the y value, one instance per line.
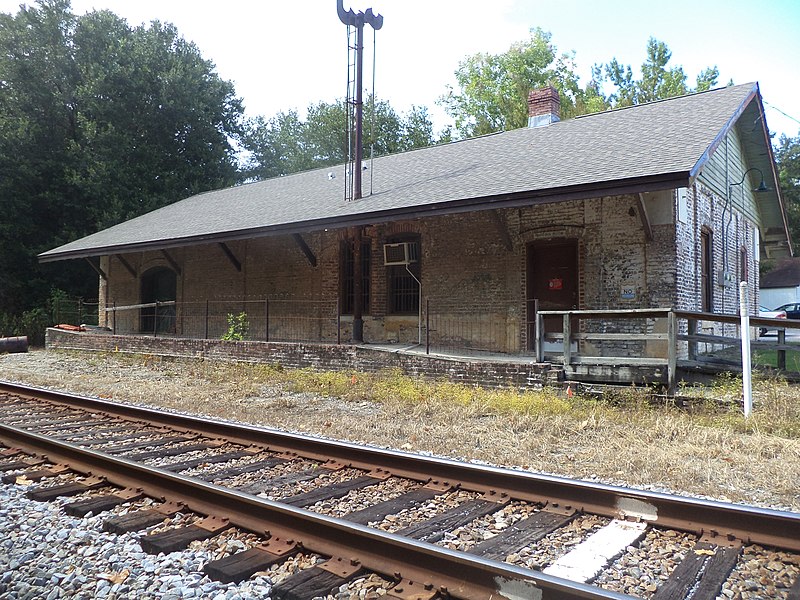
pixel 591 346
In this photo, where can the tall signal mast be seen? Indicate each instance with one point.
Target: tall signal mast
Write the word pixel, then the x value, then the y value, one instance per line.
pixel 355 85
pixel 355 118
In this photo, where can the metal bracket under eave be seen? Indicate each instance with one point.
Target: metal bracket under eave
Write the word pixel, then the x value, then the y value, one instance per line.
pixel 312 260
pixel 126 264
pixel 171 261
pixel 648 228
pixel 97 269
pixel 231 256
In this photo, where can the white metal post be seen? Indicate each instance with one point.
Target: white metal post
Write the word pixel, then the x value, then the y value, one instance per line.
pixel 747 382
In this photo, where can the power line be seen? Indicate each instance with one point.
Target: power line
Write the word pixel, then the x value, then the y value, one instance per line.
pixel 788 116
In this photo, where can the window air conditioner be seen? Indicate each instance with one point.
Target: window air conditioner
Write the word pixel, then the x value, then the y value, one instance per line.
pixel 401 253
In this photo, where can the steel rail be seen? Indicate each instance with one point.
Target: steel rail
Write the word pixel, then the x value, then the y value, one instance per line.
pixel 779 529
pixel 455 574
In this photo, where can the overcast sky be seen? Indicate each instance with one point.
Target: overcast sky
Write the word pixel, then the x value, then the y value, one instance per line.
pixel 286 55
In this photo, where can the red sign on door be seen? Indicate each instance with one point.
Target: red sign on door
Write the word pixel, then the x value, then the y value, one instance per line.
pixel 555 284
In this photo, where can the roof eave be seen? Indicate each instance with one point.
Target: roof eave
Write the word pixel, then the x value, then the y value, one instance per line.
pixel 513 200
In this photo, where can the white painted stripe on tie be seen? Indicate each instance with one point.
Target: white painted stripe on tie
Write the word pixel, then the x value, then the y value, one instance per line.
pixel 589 558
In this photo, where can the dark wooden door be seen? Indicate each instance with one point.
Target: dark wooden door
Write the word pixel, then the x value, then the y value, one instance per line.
pixel 552 279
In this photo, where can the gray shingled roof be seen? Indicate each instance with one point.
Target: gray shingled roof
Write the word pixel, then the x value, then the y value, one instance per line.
pixel 661 144
pixel 786 274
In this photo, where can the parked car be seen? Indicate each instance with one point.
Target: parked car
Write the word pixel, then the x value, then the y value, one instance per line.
pixel 792 310
pixel 778 313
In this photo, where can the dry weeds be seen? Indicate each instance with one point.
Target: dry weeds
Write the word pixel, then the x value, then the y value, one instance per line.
pixel 709 450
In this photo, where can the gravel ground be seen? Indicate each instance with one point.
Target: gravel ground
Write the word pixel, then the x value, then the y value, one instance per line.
pixel 32 565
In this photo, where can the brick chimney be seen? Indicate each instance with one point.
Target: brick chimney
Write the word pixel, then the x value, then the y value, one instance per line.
pixel 544 107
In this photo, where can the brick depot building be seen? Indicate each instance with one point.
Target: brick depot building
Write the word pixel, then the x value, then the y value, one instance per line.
pixel 641 207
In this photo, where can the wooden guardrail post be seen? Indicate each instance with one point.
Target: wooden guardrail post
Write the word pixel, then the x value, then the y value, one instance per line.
pixel 692 331
pixel 567 340
pixel 672 353
pixel 781 351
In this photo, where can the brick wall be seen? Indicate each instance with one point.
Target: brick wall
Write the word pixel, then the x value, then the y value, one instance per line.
pixel 473 271
pixel 523 376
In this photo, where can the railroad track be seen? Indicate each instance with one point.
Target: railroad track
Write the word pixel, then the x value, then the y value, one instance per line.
pixel 428 527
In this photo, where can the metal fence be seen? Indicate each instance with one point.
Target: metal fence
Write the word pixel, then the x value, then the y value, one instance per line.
pixel 234 319
pixel 75 311
pixel 451 327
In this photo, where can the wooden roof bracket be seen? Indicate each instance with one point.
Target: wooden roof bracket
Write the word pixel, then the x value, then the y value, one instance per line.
pixel 312 260
pixel 126 264
pixel 171 261
pixel 502 230
pixel 97 268
pixel 648 228
pixel 231 256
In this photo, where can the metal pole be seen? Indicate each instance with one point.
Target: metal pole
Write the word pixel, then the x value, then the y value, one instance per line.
pixel 266 319
pixel 359 109
pixel 427 326
pixel 747 382
pixel 338 322
pixel 672 353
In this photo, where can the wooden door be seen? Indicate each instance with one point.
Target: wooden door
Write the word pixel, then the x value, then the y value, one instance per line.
pixel 552 279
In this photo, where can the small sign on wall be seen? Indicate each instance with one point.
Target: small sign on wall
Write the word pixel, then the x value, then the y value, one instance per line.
pixel 627 292
pixel 555 284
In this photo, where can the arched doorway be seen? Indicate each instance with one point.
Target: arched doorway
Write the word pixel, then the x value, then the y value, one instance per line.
pixel 158 285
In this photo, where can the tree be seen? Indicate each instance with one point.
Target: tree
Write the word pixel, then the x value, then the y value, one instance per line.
pixel 99 122
pixel 657 81
pixel 286 144
pixel 787 156
pixel 492 92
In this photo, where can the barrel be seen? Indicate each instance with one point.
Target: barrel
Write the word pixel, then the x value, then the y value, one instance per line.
pixel 14 344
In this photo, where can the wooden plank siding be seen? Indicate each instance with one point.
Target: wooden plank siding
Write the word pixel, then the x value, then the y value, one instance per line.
pixel 722 170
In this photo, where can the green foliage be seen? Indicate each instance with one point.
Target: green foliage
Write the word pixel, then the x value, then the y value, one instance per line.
pixel 787 155
pixel 286 144
pixel 238 327
pixel 99 122
pixel 657 81
pixel 492 89
pixel 492 92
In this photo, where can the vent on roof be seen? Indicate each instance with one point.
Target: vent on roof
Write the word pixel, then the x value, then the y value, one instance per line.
pixel 401 253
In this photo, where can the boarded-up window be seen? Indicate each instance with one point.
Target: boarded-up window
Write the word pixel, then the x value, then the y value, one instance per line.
pixel 706 270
